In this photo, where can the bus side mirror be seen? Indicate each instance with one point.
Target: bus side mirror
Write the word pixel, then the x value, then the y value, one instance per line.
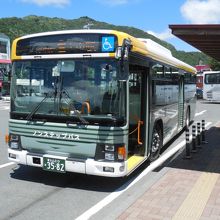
pixel 122 53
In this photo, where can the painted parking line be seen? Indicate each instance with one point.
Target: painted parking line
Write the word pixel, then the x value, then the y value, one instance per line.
pixel 200 113
pixel 3 108
pixel 6 165
pixel 108 199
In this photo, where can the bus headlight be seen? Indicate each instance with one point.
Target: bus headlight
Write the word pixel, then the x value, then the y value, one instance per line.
pixel 109 148
pixel 14 141
pixel 110 156
pixel 14 145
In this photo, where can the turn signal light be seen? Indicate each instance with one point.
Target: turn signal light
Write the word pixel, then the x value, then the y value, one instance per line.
pixel 7 138
pixel 121 153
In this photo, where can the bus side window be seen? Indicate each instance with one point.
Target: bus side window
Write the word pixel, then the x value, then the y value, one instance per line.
pixel 218 78
pixel 158 85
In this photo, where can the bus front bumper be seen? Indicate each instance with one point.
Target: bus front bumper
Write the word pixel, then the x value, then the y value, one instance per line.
pixel 88 166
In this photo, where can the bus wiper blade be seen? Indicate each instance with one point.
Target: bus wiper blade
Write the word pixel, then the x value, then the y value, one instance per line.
pixel 35 109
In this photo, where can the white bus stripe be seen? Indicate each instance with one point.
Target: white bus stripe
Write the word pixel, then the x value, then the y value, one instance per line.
pixel 96 208
pixel 6 164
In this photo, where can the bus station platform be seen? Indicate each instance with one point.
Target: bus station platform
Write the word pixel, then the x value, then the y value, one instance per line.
pixel 189 189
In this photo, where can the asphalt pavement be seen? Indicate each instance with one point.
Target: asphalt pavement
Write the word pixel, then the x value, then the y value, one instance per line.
pixel 177 188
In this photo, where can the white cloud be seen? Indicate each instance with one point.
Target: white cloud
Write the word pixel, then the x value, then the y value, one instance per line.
pixel 201 11
pixel 166 35
pixel 56 3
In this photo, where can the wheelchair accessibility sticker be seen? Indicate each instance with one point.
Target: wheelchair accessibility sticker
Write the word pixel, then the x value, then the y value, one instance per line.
pixel 108 44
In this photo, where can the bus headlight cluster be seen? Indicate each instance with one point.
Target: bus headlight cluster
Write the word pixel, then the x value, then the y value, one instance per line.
pixel 110 152
pixel 14 141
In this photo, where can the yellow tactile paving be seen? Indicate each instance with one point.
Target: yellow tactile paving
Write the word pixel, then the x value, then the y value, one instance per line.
pixel 194 204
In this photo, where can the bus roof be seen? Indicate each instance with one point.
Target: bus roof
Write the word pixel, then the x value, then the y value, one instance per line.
pixel 211 72
pixel 145 47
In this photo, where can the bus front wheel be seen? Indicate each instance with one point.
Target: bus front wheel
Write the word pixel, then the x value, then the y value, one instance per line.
pixel 156 143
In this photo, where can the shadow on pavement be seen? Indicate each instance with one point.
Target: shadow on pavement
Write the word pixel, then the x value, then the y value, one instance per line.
pixel 206 159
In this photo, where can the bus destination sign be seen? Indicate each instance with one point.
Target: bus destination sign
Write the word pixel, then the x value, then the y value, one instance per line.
pixel 67 44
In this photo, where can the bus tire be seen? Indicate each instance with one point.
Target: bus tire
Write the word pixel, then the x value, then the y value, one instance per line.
pixel 156 143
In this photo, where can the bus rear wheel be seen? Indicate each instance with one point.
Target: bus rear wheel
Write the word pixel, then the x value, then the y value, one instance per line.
pixel 156 143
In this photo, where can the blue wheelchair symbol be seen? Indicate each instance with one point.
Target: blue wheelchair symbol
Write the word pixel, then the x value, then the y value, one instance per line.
pixel 108 44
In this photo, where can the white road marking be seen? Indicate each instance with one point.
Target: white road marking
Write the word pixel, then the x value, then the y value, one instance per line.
pixel 6 164
pixel 200 113
pixel 108 199
pixel 4 108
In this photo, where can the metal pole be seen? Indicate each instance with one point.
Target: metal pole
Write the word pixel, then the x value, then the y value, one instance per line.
pixel 203 133
pixel 198 135
pixel 194 150
pixel 188 155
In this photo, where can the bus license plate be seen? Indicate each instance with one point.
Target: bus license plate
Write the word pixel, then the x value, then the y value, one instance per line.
pixel 54 164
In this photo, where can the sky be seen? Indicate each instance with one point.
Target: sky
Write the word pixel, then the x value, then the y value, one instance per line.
pixel 152 16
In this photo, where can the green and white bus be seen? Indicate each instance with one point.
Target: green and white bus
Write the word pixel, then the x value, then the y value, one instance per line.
pixel 97 102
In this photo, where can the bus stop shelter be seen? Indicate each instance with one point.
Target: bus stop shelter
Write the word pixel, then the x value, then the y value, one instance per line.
pixel 205 38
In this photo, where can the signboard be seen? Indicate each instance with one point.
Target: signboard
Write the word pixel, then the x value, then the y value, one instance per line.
pixel 67 44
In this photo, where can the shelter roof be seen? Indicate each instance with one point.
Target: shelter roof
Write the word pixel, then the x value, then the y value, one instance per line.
pixel 205 38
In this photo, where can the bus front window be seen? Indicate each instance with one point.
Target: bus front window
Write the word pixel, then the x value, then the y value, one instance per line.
pixel 67 88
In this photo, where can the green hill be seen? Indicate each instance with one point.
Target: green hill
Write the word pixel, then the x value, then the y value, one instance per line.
pixel 15 27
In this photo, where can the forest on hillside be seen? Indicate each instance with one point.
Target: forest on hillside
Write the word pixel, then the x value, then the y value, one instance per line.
pixel 15 27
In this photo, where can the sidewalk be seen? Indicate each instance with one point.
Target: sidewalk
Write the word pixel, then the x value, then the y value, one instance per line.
pixel 190 190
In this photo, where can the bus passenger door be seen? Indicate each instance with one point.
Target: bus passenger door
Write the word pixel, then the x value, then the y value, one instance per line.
pixel 137 111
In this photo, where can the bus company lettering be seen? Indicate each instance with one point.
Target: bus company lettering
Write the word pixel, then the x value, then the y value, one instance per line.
pixel 64 136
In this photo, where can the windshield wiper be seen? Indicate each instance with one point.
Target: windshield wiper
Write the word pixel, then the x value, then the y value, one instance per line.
pixel 59 92
pixel 35 109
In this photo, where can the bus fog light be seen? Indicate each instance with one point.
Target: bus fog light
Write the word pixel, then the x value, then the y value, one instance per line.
pixel 14 145
pixel 108 169
pixel 13 156
pixel 109 156
pixel 122 168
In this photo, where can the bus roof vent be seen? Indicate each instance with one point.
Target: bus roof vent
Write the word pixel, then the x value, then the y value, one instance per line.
pixel 155 47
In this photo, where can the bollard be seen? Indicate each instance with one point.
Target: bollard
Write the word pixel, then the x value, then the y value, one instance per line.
pixel 198 135
pixel 194 150
pixel 188 155
pixel 203 133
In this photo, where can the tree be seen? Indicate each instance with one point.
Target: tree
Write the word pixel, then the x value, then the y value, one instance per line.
pixel 214 64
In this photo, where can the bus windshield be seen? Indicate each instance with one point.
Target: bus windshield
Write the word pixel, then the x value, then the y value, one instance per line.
pixel 66 90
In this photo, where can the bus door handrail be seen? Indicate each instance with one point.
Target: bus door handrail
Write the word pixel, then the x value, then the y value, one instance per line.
pixel 139 132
